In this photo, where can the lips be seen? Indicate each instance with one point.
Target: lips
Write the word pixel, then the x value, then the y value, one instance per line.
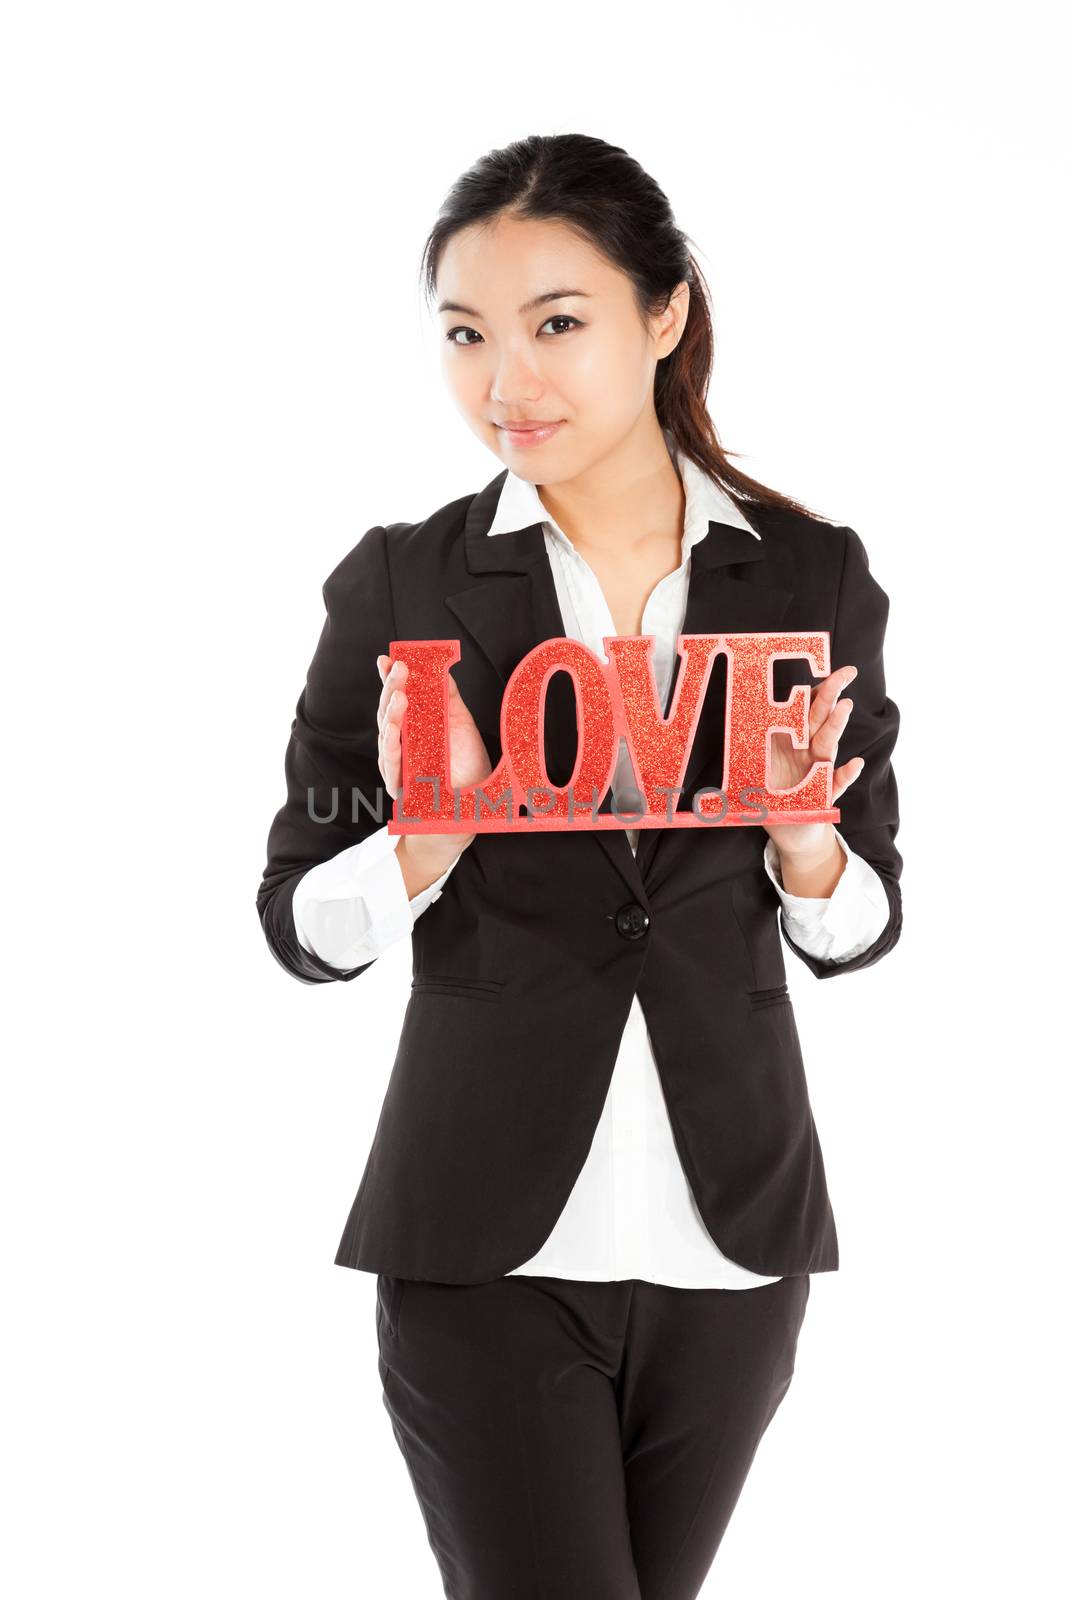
pixel 528 433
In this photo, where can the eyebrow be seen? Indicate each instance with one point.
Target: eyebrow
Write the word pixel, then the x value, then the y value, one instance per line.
pixel 530 305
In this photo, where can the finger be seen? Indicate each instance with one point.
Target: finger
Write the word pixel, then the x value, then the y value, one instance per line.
pixel 384 756
pixel 845 776
pixel 394 711
pixel 389 735
pixel 391 755
pixel 456 702
pixel 383 664
pixel 824 742
pixel 384 671
pixel 828 694
pixel 822 738
pixel 397 673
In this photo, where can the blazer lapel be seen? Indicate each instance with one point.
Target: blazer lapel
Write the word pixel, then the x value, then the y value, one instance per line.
pixel 728 593
pixel 513 607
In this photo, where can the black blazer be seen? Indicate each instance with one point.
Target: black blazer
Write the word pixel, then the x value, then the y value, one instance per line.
pixel 524 971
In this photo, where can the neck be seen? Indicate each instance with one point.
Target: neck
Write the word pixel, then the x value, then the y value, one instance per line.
pixel 623 500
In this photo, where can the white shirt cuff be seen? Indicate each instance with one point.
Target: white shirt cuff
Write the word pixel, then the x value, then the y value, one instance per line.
pixel 841 925
pixel 349 909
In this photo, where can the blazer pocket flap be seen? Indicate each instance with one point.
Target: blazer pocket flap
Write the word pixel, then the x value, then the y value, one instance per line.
pixel 777 994
pixel 446 983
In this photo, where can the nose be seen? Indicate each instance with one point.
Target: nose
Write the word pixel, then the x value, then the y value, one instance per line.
pixel 516 381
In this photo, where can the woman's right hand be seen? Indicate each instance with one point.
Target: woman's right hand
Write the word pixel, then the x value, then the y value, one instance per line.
pixel 468 762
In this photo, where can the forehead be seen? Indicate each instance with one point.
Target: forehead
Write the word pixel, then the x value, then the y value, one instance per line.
pixel 499 266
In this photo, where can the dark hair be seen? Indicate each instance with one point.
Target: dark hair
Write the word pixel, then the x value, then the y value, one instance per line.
pixel 606 196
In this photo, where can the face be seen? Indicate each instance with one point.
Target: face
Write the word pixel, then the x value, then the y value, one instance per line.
pixel 537 328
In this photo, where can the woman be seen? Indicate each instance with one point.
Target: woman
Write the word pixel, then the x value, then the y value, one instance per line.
pixel 596 1194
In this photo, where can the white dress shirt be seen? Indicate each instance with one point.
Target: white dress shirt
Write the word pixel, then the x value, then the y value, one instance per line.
pixel 631 1212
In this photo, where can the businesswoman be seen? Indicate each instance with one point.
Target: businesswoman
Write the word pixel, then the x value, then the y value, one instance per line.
pixel 595 1196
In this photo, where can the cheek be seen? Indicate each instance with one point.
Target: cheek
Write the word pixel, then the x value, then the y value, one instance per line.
pixel 609 377
pixel 458 384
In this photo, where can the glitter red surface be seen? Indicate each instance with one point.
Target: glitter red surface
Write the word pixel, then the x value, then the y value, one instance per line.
pixel 614 699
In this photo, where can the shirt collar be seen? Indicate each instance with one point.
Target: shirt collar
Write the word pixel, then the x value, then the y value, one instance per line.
pixel 520 504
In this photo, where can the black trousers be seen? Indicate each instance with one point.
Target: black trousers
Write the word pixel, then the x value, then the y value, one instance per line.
pixel 573 1440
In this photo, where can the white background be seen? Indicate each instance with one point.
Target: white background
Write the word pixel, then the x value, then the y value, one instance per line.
pixel 217 373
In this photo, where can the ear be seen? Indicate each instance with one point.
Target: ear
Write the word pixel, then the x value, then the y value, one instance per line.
pixel 671 322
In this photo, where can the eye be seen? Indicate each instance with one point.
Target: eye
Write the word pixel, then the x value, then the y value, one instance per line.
pixel 453 333
pixel 562 317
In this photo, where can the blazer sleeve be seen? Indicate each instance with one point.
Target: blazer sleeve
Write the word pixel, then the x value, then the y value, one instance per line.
pixel 335 793
pixel 869 807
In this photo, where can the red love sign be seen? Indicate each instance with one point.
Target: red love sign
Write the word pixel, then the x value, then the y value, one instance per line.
pixel 616 699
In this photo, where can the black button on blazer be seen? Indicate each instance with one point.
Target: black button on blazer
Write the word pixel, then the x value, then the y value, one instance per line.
pixel 524 971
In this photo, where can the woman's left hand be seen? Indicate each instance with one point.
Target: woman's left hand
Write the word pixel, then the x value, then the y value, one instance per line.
pixel 787 766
